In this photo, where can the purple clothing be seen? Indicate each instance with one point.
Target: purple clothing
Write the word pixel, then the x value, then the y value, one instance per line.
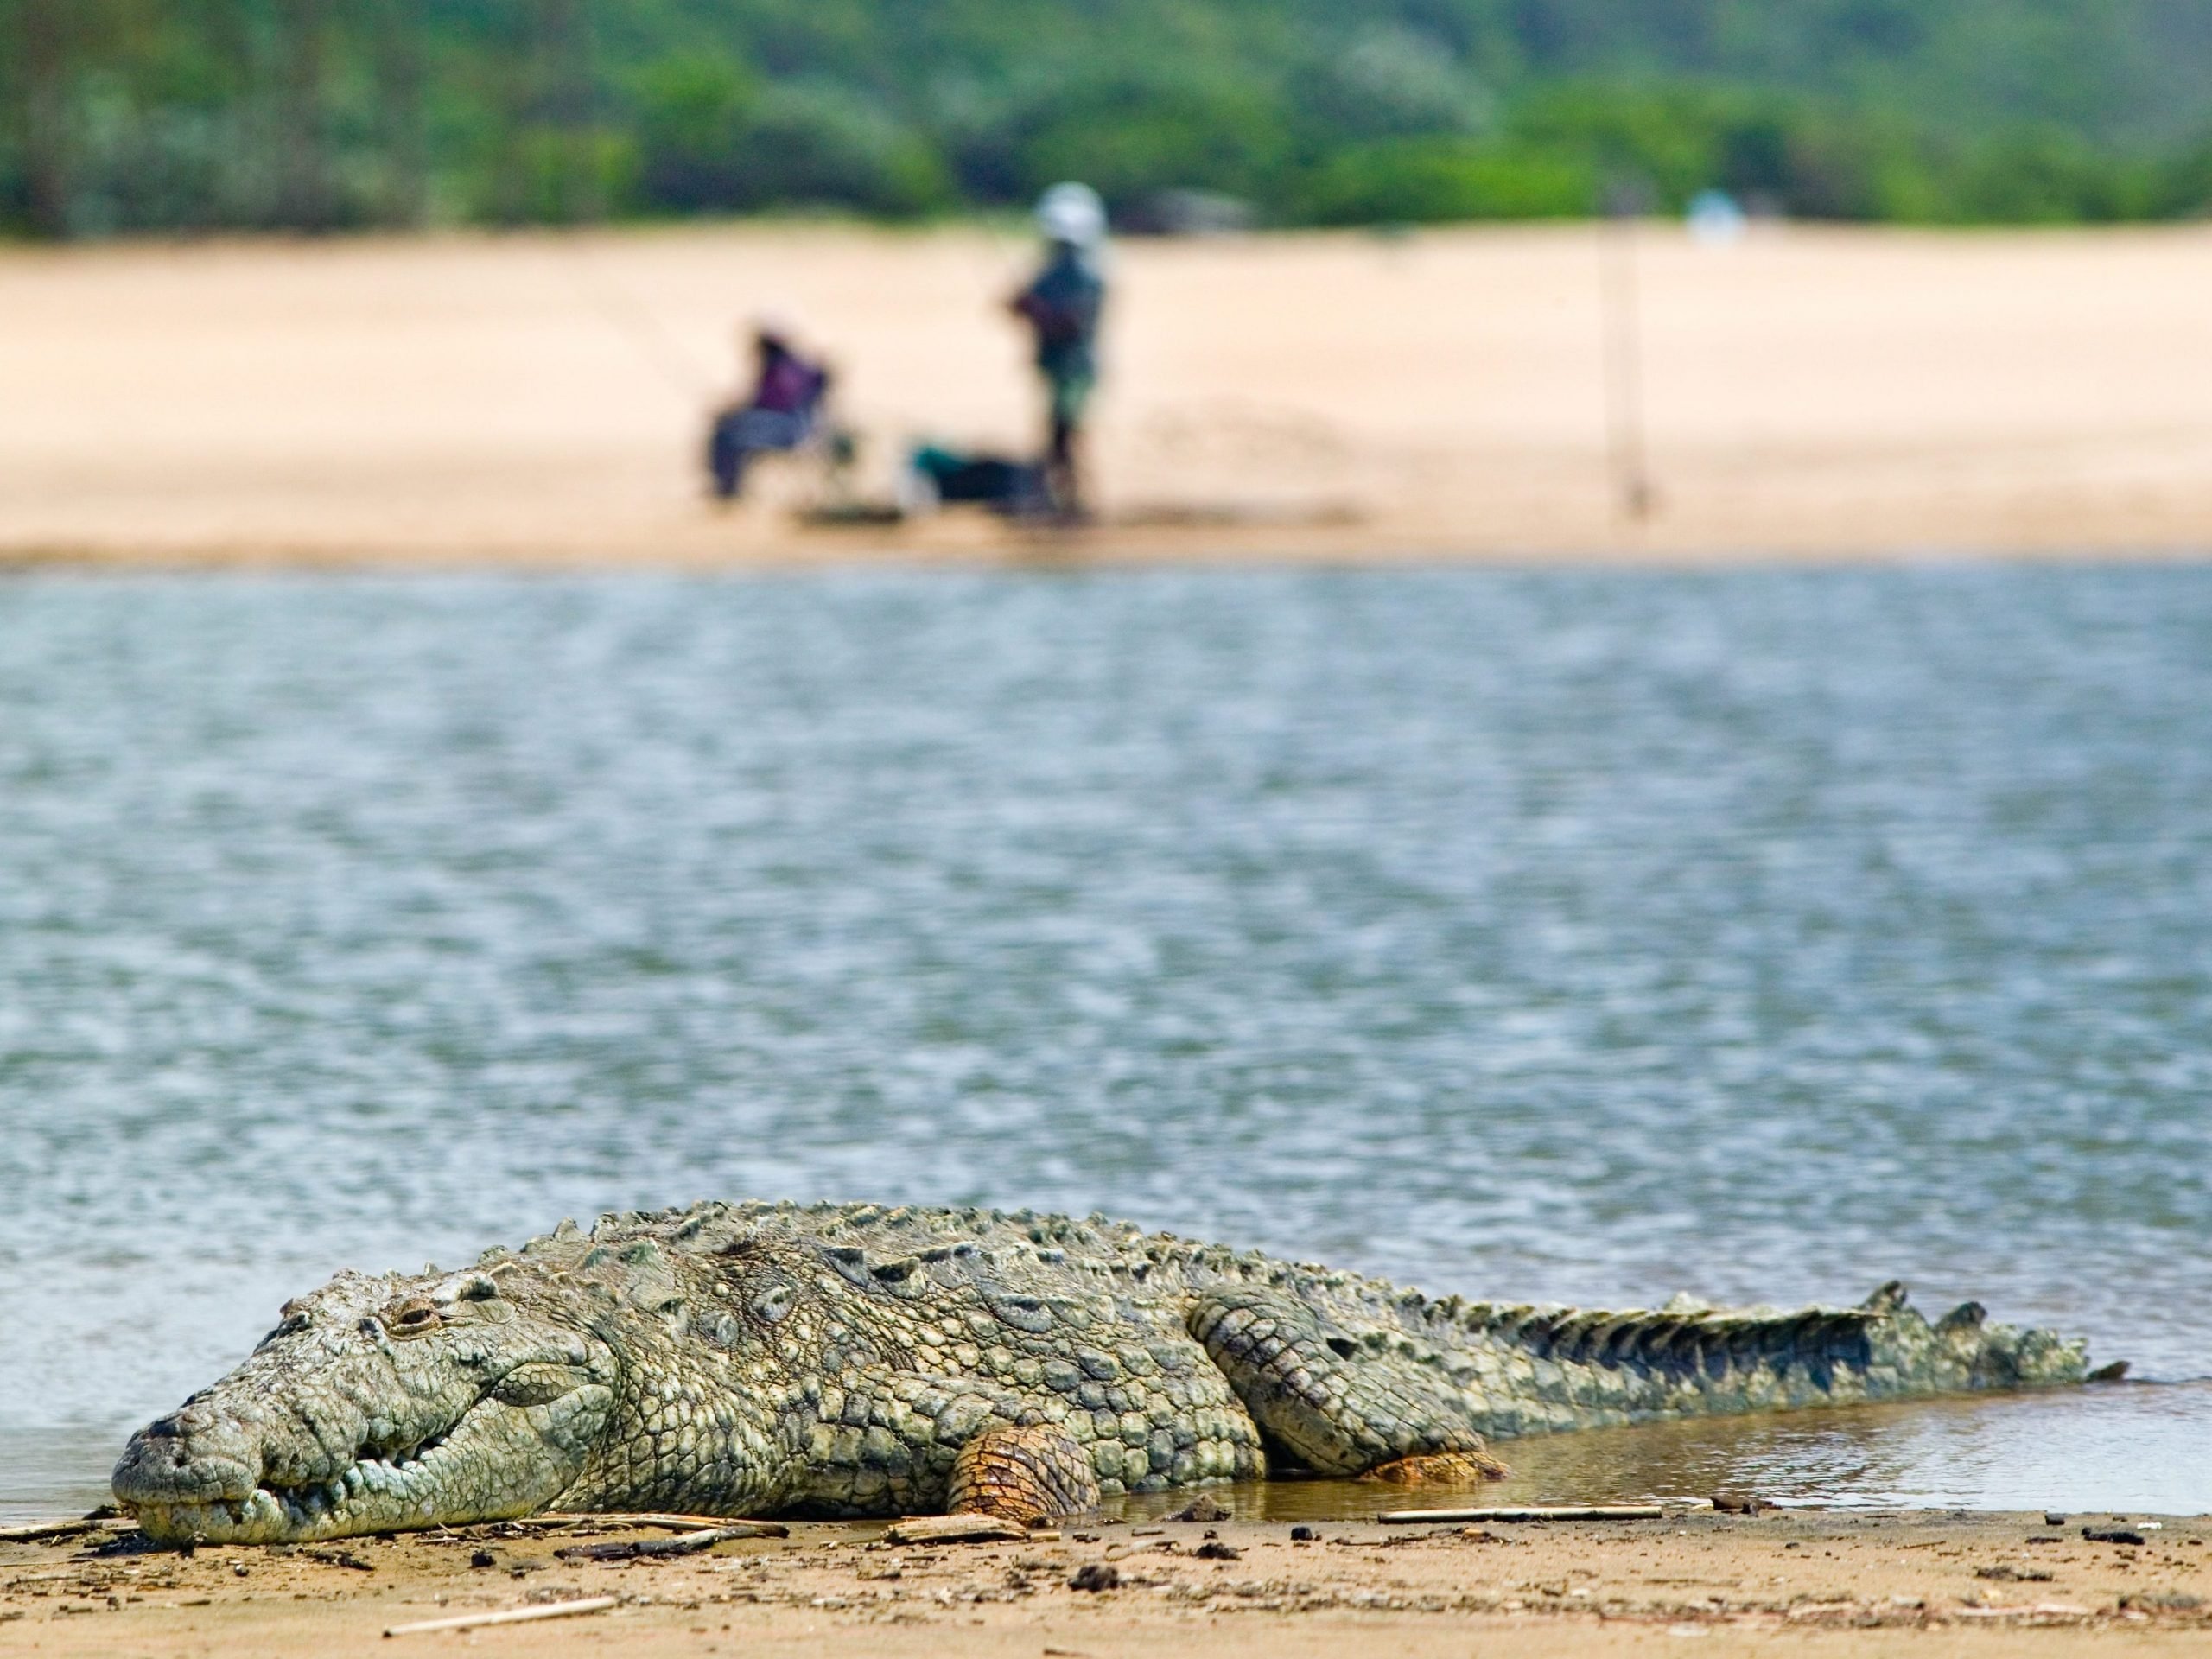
pixel 789 384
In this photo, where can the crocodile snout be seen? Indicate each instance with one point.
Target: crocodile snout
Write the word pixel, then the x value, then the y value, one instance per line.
pixel 190 1458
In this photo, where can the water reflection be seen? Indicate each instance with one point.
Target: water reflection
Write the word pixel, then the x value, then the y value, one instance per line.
pixel 2073 1450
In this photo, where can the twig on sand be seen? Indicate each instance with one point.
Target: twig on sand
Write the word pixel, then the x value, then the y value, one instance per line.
pixel 2034 1610
pixel 1567 1512
pixel 512 1616
pixel 685 1544
pixel 38 1530
pixel 678 1522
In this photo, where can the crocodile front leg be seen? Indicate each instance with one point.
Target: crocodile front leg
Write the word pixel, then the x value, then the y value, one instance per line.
pixel 1340 1405
pixel 905 1443
pixel 1023 1475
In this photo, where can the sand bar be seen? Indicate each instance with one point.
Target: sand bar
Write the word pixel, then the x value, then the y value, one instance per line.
pixel 537 398
pixel 1826 1583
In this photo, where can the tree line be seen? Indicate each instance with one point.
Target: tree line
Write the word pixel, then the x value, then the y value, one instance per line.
pixel 185 115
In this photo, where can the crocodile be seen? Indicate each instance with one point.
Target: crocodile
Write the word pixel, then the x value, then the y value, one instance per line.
pixel 773 1359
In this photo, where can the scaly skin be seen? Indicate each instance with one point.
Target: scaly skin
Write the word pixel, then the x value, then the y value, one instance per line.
pixel 769 1359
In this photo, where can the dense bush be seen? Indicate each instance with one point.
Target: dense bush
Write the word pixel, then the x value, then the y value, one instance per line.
pixel 693 115
pixel 1431 180
pixel 163 114
pixel 1131 136
pixel 815 143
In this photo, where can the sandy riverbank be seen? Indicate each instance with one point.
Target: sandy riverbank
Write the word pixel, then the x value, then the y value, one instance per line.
pixel 1826 1583
pixel 535 398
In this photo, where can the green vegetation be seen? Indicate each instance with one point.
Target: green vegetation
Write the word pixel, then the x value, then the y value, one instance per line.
pixel 184 114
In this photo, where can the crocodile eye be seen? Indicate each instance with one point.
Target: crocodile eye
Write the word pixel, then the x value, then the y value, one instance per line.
pixel 413 1319
pixel 772 1303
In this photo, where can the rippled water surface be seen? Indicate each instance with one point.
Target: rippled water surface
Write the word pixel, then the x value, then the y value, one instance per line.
pixel 1580 936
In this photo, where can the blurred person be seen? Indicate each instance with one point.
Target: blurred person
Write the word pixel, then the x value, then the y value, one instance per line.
pixel 781 412
pixel 1062 305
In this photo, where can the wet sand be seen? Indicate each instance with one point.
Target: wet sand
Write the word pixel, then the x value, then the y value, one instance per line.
pixel 1824 1583
pixel 537 398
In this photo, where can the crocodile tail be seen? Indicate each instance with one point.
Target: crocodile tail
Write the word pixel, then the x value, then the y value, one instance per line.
pixel 1963 1350
pixel 1552 1368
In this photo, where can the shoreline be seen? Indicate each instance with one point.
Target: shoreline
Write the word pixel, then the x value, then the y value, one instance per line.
pixel 1084 552
pixel 1936 1582
pixel 1815 395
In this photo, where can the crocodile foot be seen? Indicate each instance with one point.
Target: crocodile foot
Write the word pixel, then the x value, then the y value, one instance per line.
pixel 1440 1469
pixel 1023 1475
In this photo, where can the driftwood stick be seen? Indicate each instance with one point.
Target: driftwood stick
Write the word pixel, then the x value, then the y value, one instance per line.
pixel 954 1529
pixel 512 1616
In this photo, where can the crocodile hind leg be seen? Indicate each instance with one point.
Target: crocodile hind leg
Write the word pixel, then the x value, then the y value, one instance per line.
pixel 1340 1406
pixel 1022 1475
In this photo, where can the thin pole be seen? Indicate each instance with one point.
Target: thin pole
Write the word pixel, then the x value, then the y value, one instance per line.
pixel 1626 445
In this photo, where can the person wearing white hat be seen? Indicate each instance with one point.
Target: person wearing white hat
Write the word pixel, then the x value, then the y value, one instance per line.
pixel 1062 305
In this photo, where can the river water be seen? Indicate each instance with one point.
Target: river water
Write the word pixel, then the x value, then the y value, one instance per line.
pixel 1578 937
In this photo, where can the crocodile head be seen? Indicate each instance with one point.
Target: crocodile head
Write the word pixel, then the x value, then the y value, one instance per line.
pixel 378 1404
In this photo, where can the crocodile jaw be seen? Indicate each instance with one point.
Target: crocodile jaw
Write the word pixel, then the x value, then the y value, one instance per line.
pixel 491 1465
pixel 334 1427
